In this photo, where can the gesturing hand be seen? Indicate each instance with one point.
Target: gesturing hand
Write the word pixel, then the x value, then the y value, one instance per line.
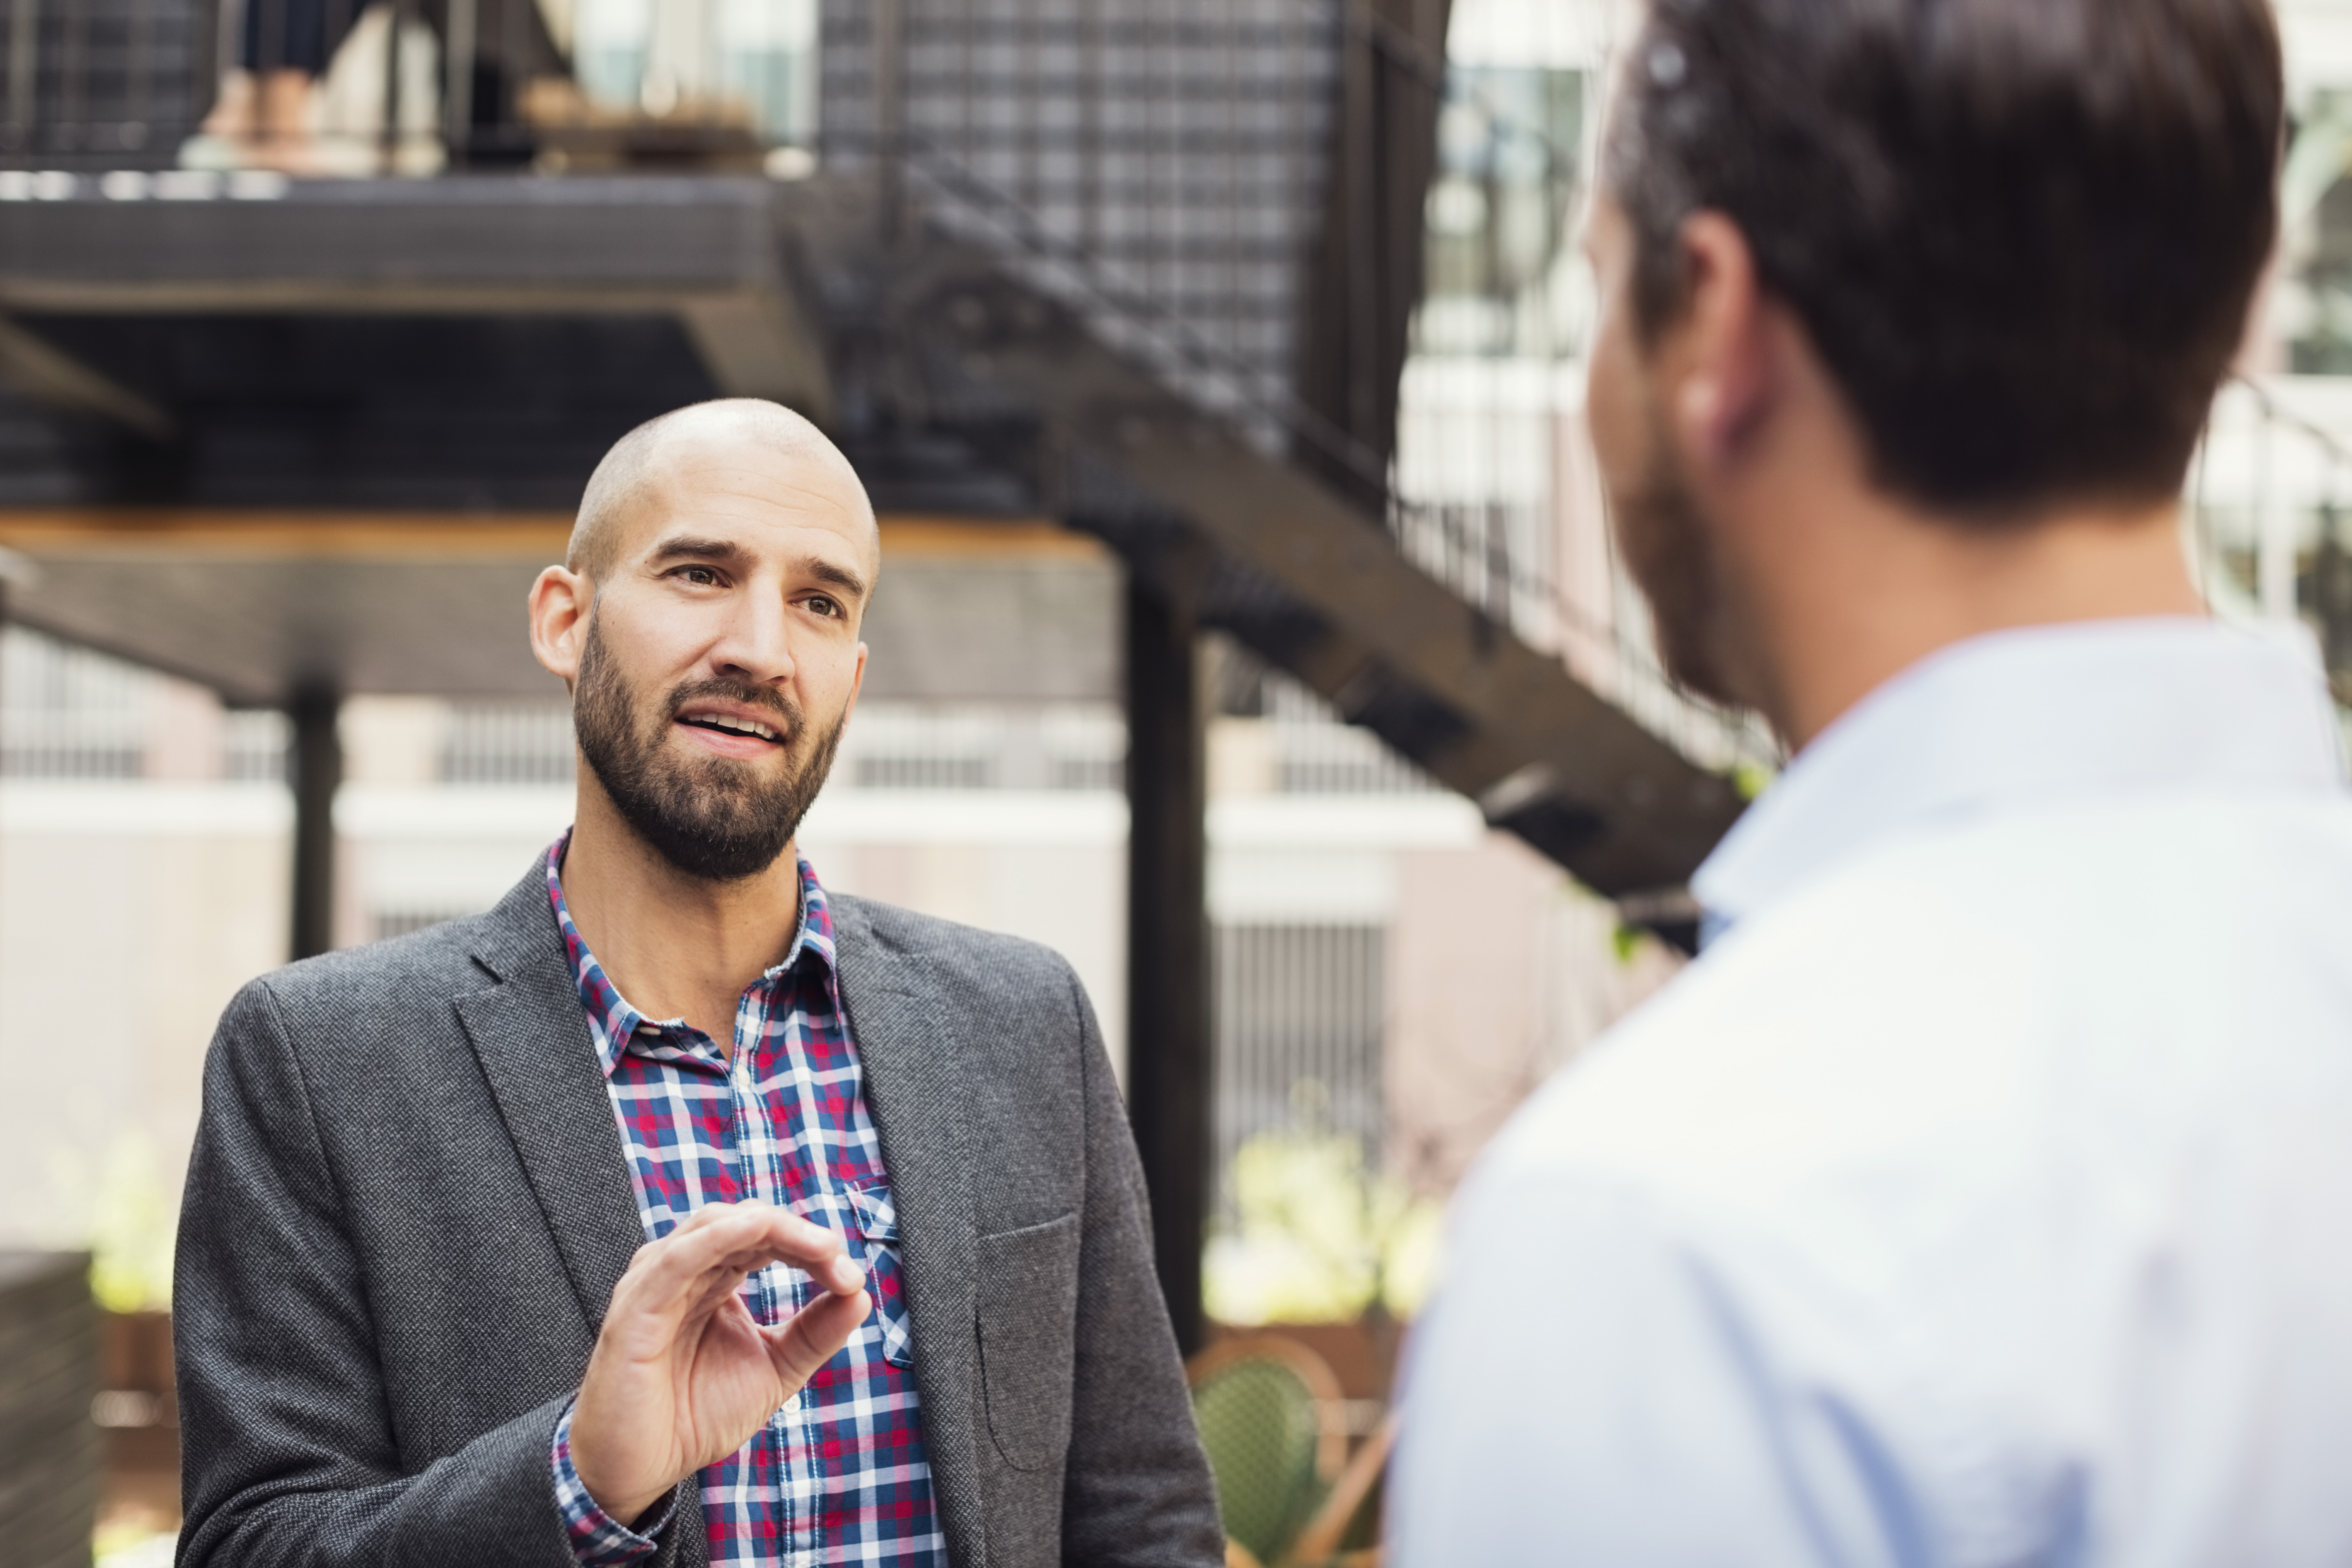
pixel 682 1375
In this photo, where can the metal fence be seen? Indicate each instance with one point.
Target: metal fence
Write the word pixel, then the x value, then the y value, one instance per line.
pixel 115 84
pixel 68 713
pixel 253 744
pixel 2270 513
pixel 507 743
pixel 1297 1022
pixel 1067 747
pixel 347 88
pixel 1494 491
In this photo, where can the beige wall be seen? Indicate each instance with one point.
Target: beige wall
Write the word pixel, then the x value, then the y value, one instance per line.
pixel 129 916
pixel 1500 971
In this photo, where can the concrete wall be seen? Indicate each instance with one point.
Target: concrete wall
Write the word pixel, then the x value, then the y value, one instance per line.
pixel 129 913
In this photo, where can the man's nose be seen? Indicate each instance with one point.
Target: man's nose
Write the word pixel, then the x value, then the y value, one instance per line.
pixel 756 645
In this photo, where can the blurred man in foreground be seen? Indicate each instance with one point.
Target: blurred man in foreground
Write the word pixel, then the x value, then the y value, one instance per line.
pixel 675 1210
pixel 1981 1195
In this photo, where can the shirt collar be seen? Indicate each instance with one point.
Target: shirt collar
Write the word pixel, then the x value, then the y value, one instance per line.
pixel 2039 713
pixel 614 1019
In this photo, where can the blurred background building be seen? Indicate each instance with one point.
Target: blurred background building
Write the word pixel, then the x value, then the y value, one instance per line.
pixel 1249 628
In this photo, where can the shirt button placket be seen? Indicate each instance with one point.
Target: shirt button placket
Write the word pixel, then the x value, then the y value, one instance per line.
pixel 755 1152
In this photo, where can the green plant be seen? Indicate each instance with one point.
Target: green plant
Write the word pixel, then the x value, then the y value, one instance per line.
pixel 1318 1237
pixel 132 1225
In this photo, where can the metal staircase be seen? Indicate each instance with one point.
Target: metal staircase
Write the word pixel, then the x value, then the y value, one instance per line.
pixel 1274 555
pixel 1091 222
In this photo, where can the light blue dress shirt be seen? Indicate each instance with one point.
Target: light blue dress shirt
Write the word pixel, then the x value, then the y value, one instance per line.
pixel 1983 1195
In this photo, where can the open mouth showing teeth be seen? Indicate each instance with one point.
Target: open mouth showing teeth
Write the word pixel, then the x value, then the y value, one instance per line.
pixel 727 725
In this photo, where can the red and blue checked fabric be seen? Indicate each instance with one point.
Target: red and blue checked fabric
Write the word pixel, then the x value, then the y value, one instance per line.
pixel 839 1475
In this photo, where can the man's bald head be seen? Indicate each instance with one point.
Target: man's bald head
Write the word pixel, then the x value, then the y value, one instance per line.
pixel 646 459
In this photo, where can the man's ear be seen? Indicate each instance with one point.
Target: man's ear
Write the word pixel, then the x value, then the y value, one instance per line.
pixel 560 601
pixel 856 685
pixel 1725 347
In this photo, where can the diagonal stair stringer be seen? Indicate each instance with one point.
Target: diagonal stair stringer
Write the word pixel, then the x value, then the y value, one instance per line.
pixel 1394 650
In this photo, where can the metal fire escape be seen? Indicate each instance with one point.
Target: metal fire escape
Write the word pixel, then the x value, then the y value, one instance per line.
pixel 1150 269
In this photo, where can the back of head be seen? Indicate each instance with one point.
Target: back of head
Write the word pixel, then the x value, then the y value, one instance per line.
pixel 2023 235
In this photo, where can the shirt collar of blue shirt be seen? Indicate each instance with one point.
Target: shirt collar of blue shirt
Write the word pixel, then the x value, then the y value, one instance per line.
pixel 2034 714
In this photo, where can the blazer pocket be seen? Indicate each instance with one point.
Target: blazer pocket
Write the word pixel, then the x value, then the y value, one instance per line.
pixel 1028 1307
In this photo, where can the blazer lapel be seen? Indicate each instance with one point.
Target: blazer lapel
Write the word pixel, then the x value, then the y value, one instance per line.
pixel 914 1071
pixel 533 1043
pixel 531 1036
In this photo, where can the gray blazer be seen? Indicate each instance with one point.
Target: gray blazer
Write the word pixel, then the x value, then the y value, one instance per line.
pixel 407 1209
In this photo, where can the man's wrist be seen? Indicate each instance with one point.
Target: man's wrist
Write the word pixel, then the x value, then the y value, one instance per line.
pixel 602 1537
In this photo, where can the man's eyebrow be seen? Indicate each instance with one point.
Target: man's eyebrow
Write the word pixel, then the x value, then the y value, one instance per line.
pixel 690 547
pixel 841 577
pixel 686 546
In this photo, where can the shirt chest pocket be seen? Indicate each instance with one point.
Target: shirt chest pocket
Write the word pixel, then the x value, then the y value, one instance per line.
pixel 878 1229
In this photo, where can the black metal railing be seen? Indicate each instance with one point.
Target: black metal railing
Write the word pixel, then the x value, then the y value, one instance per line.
pixel 2270 519
pixel 409 87
pixel 115 84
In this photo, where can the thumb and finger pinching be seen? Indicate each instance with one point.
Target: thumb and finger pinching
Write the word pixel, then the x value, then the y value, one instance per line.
pixel 810 1338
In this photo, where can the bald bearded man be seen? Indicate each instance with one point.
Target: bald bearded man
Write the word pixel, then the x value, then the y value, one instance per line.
pixel 678 1210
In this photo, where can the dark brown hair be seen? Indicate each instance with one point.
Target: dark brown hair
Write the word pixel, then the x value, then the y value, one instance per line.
pixel 2022 233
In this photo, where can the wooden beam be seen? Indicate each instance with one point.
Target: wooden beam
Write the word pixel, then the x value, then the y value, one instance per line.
pixel 217 533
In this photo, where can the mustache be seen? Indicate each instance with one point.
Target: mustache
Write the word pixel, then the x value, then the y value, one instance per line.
pixel 790 720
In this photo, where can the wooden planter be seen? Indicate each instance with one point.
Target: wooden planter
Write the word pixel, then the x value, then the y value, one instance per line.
pixel 49 1374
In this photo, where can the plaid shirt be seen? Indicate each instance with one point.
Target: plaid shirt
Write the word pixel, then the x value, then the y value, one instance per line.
pixel 839 1474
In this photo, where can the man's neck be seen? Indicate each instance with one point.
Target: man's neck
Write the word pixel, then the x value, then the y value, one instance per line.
pixel 677 946
pixel 1885 588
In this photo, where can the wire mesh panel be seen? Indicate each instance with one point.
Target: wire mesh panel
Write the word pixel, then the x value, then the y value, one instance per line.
pixel 1175 155
pixel 1298 1017
pixel 102 83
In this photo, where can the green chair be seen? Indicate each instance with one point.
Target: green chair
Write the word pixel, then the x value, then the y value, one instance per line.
pixel 1346 1529
pixel 1267 1408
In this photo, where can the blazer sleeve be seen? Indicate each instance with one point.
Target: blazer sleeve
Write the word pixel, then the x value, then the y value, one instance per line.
pixel 1138 1493
pixel 287 1457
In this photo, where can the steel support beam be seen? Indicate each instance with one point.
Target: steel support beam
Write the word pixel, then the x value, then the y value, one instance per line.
pixel 1169 1059
pixel 315 770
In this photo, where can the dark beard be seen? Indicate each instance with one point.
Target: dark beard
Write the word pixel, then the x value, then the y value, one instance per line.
pixel 710 818
pixel 1663 535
